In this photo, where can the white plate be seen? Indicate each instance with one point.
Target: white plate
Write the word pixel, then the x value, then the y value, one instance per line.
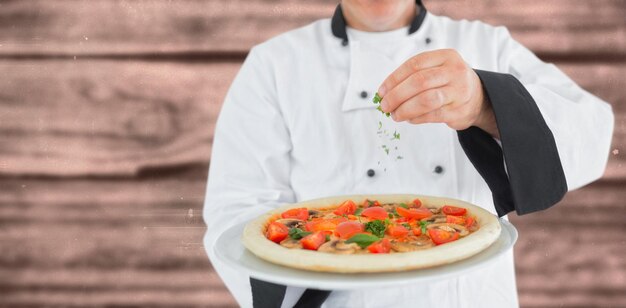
pixel 230 250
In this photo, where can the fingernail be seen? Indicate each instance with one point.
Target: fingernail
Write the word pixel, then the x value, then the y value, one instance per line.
pixel 383 105
pixel 381 91
pixel 393 116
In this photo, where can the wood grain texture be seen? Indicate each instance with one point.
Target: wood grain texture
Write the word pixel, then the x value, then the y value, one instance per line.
pixel 116 118
pixel 107 117
pixel 69 27
pixel 573 255
pixel 107 242
pixel 86 287
pixel 103 162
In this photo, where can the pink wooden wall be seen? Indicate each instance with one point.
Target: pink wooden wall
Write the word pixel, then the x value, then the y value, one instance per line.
pixel 107 109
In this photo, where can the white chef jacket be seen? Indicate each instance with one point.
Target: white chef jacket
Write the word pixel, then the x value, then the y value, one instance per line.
pixel 294 126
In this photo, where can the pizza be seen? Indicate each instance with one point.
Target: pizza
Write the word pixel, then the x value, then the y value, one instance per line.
pixel 371 233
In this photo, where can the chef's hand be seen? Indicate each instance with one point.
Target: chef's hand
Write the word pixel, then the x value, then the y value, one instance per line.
pixel 438 87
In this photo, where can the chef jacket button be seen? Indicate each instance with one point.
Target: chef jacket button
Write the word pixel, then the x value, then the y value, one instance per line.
pixel 371 173
pixel 438 170
pixel 363 94
pixel 344 43
pixel 428 40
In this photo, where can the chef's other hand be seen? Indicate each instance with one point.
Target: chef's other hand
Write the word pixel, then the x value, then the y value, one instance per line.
pixel 438 87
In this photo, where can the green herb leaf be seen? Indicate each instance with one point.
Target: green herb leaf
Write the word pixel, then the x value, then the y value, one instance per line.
pixel 395 213
pixel 404 205
pixel 327 237
pixel 406 225
pixel 396 135
pixel 376 227
pixel 423 225
pixel 363 239
pixel 377 98
pixel 388 114
pixel 380 125
pixel 297 233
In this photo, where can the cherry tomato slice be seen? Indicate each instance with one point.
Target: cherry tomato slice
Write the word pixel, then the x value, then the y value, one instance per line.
pixel 418 213
pixel 276 232
pixel 368 203
pixel 313 241
pixel 453 210
pixel 471 224
pixel 382 246
pixel 417 203
pixel 375 213
pixel 299 213
pixel 417 231
pixel 324 224
pixel 346 208
pixel 455 220
pixel 397 231
pixel 441 236
pixel 346 230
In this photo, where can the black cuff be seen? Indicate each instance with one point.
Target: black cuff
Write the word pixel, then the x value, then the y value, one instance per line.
pixel 535 176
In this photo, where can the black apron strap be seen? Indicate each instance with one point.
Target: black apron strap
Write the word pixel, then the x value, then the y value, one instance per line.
pixel 312 298
pixel 271 295
pixel 266 294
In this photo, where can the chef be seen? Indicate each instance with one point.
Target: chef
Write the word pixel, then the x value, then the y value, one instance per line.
pixel 473 115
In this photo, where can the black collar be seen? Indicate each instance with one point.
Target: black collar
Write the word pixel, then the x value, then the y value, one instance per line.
pixel 338 23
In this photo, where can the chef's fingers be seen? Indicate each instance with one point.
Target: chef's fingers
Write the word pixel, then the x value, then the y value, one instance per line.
pixel 419 62
pixel 424 103
pixel 439 115
pixel 456 117
pixel 415 84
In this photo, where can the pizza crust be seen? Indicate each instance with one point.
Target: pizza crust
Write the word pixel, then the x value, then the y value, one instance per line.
pixel 254 240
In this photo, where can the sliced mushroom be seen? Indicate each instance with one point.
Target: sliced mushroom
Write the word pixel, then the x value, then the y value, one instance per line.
pixel 450 228
pixel 329 215
pixel 389 207
pixel 435 210
pixel 291 222
pixel 413 243
pixel 339 247
pixel 435 219
pixel 290 243
pixel 314 213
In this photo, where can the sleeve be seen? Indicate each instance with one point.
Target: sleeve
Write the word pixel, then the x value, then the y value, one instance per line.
pixel 554 135
pixel 250 162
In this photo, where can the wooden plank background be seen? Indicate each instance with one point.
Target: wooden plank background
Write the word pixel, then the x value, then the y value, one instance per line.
pixel 107 110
